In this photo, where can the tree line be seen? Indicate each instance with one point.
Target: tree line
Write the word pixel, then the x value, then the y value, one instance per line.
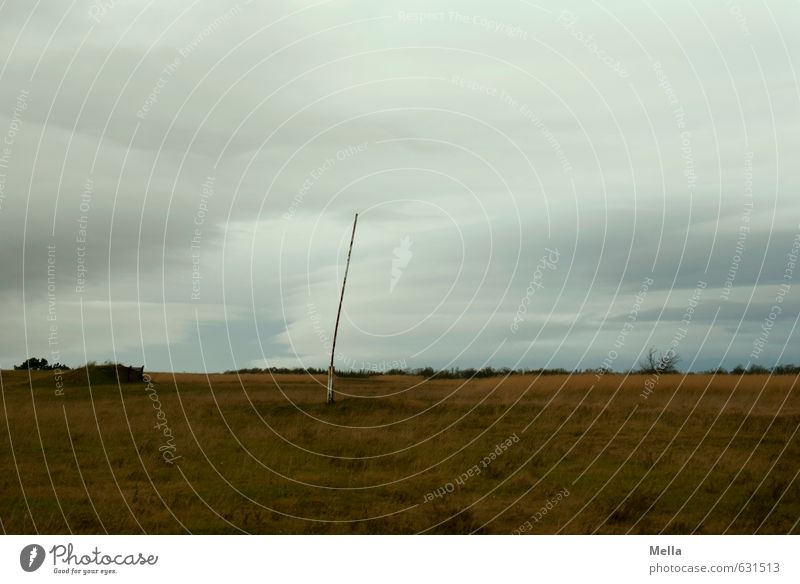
pixel 653 363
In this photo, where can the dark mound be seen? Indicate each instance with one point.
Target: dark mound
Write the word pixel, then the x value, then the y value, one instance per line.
pixel 107 374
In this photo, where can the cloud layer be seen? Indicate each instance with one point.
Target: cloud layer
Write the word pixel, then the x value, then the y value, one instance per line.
pixel 177 182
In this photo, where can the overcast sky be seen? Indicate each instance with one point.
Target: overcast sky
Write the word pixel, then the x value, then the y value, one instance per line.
pixel 538 184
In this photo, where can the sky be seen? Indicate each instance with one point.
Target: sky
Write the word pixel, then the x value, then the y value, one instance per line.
pixel 539 184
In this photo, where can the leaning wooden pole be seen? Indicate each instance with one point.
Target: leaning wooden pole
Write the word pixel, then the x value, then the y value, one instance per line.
pixel 331 370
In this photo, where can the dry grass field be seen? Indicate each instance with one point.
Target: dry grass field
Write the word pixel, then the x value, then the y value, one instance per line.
pixel 397 454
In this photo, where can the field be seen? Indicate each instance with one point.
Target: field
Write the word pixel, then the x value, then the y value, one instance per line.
pixel 397 454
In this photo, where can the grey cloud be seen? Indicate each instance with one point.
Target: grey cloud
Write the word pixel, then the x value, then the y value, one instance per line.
pixel 482 125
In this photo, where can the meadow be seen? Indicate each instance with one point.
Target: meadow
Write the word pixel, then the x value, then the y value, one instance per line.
pixel 256 453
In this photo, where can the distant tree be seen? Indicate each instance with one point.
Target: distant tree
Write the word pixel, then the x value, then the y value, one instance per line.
pixel 756 369
pixel 657 363
pixel 788 369
pixel 33 363
pixel 425 372
pixel 738 370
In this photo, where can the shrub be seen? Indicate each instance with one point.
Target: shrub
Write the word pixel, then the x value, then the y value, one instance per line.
pixel 36 364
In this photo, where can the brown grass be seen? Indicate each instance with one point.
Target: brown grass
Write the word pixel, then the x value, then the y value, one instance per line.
pixel 259 454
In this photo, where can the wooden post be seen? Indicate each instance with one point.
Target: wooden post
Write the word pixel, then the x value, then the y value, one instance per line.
pixel 331 369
